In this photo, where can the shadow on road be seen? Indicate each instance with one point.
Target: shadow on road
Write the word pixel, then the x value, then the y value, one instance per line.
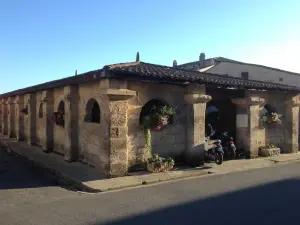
pixel 15 173
pixel 274 203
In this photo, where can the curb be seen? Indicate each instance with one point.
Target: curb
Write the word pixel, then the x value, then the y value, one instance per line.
pixel 65 180
pixel 144 183
pixel 59 177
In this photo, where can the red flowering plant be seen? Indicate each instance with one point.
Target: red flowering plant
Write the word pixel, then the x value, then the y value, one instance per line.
pixel 272 118
pixel 24 111
pixel 58 118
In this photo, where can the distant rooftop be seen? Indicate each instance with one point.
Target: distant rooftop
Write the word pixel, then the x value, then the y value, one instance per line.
pixel 217 60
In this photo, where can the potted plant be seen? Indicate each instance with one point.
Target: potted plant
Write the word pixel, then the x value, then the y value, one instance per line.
pixel 156 119
pixel 268 150
pixel 58 118
pixel 272 118
pixel 159 164
pixel 24 111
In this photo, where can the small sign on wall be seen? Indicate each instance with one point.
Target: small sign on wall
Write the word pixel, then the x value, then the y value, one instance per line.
pixel 241 120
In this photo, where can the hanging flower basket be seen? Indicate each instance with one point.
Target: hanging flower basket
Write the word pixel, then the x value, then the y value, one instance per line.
pixel 24 111
pixel 158 117
pixel 58 118
pixel 271 119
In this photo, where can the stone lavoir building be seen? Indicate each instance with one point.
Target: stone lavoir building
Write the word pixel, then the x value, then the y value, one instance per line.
pixel 102 112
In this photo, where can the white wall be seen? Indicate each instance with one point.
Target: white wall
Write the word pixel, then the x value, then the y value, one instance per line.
pixel 256 73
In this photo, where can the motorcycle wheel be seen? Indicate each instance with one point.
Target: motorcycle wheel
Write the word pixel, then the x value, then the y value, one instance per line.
pixel 219 158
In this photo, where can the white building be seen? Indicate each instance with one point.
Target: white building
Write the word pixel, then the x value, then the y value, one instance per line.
pixel 224 66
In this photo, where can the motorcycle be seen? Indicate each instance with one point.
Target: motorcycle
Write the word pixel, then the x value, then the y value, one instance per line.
pixel 213 149
pixel 228 145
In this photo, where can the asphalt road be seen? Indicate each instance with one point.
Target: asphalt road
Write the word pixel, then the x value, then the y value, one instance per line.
pixel 262 196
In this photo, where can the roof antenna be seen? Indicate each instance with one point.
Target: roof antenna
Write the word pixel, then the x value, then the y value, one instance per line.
pixel 137 57
pixel 75 72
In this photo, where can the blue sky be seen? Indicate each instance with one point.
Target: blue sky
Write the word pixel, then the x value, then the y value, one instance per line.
pixel 46 40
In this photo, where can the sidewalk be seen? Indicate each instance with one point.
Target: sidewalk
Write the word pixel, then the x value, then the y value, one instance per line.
pixel 87 179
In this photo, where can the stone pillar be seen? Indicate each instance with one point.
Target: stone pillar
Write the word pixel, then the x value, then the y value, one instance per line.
pixel 195 131
pixel 0 115
pixel 4 117
pixel 31 99
pixel 118 130
pixel 291 121
pixel 71 98
pixel 48 109
pixel 250 135
pixel 11 117
pixel 19 104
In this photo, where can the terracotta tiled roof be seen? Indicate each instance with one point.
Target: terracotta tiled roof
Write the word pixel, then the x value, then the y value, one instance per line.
pixel 165 73
pixel 73 80
pixel 146 71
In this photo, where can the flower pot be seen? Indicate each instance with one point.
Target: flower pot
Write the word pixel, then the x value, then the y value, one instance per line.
pixel 155 167
pixel 266 152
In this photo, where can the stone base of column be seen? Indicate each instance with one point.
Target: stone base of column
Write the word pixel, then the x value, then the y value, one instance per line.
pixel 195 156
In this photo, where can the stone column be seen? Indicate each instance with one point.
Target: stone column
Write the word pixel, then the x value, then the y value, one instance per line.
pixel 31 99
pixel 48 109
pixel 195 118
pixel 4 117
pixel 250 135
pixel 118 130
pixel 1 116
pixel 11 117
pixel 19 104
pixel 71 98
pixel 291 121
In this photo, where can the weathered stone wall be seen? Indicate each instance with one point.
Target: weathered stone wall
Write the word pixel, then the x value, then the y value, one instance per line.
pixel 59 131
pixel 272 134
pixel 26 119
pixel 40 122
pixel 168 142
pixel 91 135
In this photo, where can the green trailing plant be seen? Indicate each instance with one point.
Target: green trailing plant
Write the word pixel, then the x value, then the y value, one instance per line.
pixel 156 119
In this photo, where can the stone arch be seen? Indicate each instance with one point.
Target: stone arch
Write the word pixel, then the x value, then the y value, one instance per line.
pixel 40 110
pixel 268 108
pixel 61 107
pixel 147 107
pixel 93 112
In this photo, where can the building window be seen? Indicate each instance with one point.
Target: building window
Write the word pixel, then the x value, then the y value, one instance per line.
pixel 41 111
pixel 281 79
pixel 245 75
pixel 92 111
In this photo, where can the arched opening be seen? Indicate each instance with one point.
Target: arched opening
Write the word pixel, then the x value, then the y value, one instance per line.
pixel 269 109
pixel 41 111
pixel 93 113
pixel 221 115
pixel 60 114
pixel 61 107
pixel 149 105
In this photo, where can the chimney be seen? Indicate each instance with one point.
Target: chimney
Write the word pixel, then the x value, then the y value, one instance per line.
pixel 174 63
pixel 201 60
pixel 137 57
pixel 75 72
